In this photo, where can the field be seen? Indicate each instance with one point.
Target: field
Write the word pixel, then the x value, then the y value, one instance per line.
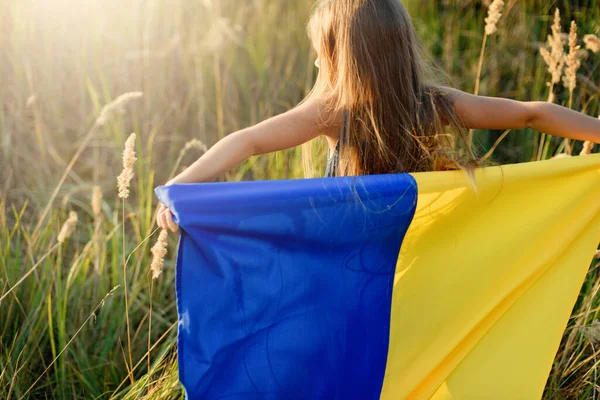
pixel 80 314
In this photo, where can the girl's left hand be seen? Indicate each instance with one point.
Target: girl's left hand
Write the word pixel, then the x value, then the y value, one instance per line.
pixel 164 218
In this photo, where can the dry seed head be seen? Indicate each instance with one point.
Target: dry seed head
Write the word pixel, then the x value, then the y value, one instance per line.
pixel 592 332
pixel 592 42
pixel 572 60
pixel 159 251
pixel 123 182
pixel 195 144
pixel 129 159
pixel 97 200
pixel 31 100
pixel 546 55
pixel 117 105
pixel 587 148
pixel 494 14
pixel 597 255
pixel 108 294
pixel 129 153
pixel 68 227
pixel 555 59
pixel 66 198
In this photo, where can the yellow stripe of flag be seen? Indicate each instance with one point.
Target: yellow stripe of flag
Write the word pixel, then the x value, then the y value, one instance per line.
pixel 485 282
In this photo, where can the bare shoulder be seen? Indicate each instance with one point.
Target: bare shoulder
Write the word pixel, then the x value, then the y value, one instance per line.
pixel 322 117
pixel 456 94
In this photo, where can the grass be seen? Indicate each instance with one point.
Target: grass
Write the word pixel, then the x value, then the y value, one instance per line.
pixel 205 69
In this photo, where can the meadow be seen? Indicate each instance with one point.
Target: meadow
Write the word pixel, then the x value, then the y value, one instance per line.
pixel 82 315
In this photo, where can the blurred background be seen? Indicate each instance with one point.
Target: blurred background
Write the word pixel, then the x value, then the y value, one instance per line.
pixel 206 68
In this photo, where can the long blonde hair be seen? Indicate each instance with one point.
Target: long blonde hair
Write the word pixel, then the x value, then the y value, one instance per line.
pixel 372 70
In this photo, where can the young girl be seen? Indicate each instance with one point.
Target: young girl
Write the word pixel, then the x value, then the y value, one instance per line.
pixel 378 105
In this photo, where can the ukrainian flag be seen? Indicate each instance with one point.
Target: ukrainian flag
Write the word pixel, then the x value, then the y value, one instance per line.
pixel 407 286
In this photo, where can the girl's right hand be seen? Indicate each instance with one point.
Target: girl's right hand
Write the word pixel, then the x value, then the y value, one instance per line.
pixel 164 218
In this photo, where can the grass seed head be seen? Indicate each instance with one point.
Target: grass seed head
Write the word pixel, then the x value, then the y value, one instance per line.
pixel 117 105
pixel 587 148
pixel 195 144
pixel 555 59
pixel 31 100
pixel 68 227
pixel 494 14
pixel 97 200
pixel 592 332
pixel 572 60
pixel 592 43
pixel 159 251
pixel 129 157
pixel 124 180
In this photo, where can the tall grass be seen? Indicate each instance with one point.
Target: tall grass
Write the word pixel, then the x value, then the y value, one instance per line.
pixel 82 317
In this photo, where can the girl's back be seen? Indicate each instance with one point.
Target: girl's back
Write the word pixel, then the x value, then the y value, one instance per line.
pixel 373 73
pixel 380 105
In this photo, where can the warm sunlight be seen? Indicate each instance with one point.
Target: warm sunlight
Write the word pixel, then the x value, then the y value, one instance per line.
pixel 196 203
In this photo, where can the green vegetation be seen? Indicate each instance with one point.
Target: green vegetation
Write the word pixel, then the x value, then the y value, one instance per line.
pixel 206 68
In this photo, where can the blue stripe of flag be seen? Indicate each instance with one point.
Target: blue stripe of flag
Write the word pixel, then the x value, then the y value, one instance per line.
pixel 284 287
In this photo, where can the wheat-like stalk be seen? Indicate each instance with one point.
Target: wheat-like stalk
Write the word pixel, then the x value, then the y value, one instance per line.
pixel 97 200
pixel 555 61
pixel 587 148
pixel 68 227
pixel 118 105
pixel 97 210
pixel 31 101
pixel 192 144
pixel 494 14
pixel 555 58
pixel 592 43
pixel 124 180
pixel 572 60
pixel 159 251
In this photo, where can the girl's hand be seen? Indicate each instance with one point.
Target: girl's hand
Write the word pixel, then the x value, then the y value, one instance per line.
pixel 164 218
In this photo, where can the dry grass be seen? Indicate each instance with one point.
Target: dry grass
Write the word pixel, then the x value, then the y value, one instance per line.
pixel 82 316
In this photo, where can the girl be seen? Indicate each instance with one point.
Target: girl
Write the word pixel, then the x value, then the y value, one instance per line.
pixel 377 103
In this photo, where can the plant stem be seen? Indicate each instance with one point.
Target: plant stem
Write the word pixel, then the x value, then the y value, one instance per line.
pixel 477 80
pixel 150 320
pixel 126 301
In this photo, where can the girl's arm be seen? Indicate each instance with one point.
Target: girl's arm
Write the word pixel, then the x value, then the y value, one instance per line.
pixel 483 112
pixel 290 129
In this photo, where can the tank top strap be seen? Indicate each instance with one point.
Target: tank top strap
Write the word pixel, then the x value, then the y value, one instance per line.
pixel 333 161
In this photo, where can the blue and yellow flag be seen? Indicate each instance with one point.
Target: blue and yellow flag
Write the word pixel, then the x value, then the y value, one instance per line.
pixel 407 286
